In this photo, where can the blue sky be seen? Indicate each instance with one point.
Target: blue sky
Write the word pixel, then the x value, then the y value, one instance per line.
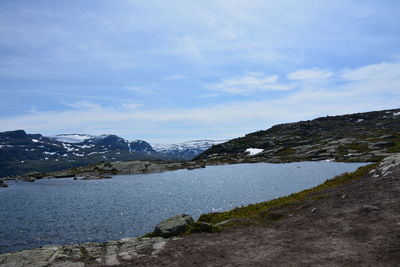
pixel 171 71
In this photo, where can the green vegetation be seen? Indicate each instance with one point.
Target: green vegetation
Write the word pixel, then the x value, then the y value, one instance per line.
pixel 396 140
pixel 285 152
pixel 276 209
pixel 201 227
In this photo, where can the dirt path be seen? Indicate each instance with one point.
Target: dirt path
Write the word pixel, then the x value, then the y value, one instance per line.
pixel 359 224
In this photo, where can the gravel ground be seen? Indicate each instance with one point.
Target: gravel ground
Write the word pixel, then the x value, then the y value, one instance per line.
pixel 358 224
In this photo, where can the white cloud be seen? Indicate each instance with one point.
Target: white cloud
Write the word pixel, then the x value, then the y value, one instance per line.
pixel 131 105
pixel 139 89
pixel 253 81
pixel 130 120
pixel 208 95
pixel 309 75
pixel 381 71
pixel 83 105
pixel 174 77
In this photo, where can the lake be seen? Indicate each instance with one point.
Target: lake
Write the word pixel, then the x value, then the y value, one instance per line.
pixel 64 211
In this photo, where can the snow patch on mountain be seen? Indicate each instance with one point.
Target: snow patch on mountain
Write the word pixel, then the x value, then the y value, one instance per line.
pixel 194 144
pixel 72 138
pixel 254 151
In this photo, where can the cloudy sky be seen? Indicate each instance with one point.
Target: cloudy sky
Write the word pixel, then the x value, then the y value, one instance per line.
pixel 170 71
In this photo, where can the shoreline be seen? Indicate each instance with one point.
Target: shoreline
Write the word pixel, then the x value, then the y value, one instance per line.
pixel 107 169
pixel 155 244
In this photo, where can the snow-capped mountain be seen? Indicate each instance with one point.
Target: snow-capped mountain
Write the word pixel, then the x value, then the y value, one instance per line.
pixel 21 152
pixel 186 150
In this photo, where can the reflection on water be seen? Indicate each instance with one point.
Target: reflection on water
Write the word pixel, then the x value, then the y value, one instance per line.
pixel 63 211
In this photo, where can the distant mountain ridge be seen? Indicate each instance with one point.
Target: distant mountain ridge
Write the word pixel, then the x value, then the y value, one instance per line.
pixel 21 152
pixel 185 150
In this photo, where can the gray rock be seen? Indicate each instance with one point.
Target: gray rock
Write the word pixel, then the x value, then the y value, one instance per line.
pixel 68 264
pixel 369 208
pixel 314 210
pixel 96 177
pixel 3 184
pixel 157 247
pixel 174 226
pixel 104 254
pixel 224 222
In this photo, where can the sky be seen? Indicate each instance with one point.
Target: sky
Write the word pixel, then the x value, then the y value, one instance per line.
pixel 173 71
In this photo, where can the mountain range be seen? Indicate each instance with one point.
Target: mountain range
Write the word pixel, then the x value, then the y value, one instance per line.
pixel 22 153
pixel 362 137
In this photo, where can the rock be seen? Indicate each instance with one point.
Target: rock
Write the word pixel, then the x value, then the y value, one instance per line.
pixel 125 256
pixel 369 208
pixel 191 168
pixel 96 177
pixel 64 175
pixel 68 264
pixel 174 226
pixel 3 184
pixel 91 254
pixel 382 144
pixel 221 224
pixel 111 260
pixel 314 210
pixel 157 247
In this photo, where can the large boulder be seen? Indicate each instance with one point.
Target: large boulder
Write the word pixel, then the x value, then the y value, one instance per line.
pixel 173 226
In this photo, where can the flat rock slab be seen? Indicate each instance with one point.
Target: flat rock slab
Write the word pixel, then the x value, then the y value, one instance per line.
pixel 112 253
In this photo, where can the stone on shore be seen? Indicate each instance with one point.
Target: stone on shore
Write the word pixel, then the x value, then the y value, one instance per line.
pixel 174 226
pixel 3 184
pixel 96 177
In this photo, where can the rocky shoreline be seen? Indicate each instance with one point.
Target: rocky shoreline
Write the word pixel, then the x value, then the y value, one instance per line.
pixel 105 170
pixel 111 253
pixel 346 213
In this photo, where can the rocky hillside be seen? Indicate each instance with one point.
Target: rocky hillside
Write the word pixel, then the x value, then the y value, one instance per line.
pixel 362 137
pixel 21 152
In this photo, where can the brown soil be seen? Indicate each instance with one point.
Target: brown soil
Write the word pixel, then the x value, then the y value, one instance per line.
pixel 357 224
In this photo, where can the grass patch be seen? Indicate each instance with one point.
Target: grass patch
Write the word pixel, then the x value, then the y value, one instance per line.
pixel 396 148
pixel 275 209
pixel 285 152
pixel 357 147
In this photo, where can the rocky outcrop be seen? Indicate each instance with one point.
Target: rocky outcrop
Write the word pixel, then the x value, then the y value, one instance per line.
pixel 112 253
pixel 94 177
pixel 105 170
pixel 174 226
pixel 3 184
pixel 387 166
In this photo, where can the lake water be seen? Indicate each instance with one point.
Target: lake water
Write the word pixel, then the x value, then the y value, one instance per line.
pixel 64 211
